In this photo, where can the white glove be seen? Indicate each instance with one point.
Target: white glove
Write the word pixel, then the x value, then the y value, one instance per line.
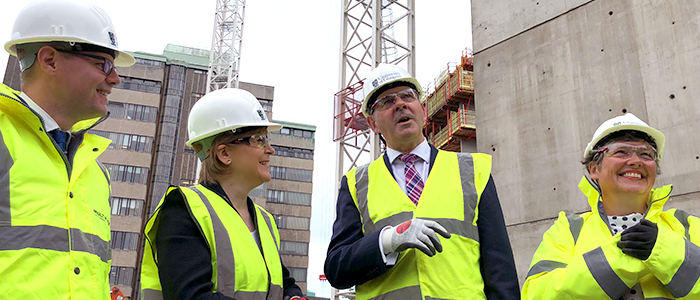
pixel 415 233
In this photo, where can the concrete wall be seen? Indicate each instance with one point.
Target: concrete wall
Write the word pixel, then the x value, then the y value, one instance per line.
pixel 547 73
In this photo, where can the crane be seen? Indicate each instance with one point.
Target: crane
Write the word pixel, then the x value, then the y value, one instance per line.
pixel 368 39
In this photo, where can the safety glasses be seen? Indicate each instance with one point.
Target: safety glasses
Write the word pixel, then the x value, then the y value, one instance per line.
pixel 107 65
pixel 645 153
pixel 386 102
pixel 257 140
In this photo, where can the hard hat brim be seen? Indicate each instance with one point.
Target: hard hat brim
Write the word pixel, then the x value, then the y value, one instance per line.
pixel 658 137
pixel 270 127
pixel 122 59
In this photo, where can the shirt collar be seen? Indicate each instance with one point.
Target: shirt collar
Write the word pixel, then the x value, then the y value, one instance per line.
pixel 422 151
pixel 49 122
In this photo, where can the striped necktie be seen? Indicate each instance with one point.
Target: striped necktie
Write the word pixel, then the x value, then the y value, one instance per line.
pixel 414 184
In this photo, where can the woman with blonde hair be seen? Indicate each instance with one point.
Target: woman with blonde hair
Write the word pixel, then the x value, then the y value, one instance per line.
pixel 210 241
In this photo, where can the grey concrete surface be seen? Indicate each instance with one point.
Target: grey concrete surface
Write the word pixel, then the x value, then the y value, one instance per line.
pixel 545 78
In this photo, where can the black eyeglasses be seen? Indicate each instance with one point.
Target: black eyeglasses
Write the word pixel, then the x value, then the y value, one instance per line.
pixel 107 65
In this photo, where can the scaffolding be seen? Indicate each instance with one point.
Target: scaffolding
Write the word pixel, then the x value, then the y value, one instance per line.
pixel 449 102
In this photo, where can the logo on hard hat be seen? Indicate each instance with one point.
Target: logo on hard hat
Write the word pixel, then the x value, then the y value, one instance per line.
pixel 262 116
pixel 375 83
pixel 112 38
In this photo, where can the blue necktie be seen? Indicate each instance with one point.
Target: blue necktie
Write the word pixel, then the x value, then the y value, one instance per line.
pixel 60 137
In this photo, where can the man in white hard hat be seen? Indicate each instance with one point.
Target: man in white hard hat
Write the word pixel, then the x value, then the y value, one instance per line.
pixel 54 194
pixel 627 247
pixel 418 223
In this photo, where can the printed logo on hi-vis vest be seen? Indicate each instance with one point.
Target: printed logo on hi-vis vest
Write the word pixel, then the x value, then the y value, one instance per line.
pixel 101 216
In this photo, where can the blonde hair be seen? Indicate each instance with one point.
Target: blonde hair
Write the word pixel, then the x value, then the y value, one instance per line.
pixel 213 168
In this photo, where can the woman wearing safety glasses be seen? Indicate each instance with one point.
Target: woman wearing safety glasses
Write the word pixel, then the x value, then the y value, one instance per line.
pixel 210 241
pixel 627 247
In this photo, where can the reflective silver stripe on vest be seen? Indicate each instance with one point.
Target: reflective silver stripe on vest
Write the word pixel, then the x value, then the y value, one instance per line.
pixel 687 274
pixel 149 294
pixel 464 228
pixel 5 165
pixel 406 293
pixel 90 243
pixel 603 273
pixel 269 226
pixel 225 264
pixel 575 224
pixel 545 266
pixel 660 298
pixel 682 216
pixel 53 238
pixel 274 294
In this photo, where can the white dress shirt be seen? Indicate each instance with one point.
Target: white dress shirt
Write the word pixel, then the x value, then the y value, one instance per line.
pixel 422 165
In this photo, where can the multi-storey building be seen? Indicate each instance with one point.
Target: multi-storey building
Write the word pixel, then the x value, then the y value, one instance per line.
pixel 148 129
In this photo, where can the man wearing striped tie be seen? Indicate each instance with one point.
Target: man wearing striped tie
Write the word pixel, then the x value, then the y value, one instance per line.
pixel 417 223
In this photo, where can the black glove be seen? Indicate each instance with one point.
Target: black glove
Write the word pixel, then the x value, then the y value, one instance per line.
pixel 638 240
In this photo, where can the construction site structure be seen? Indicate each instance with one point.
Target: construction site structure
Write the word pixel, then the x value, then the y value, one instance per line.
pixel 368 38
pixel 225 55
pixel 449 102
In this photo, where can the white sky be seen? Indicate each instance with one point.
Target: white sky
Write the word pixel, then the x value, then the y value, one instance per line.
pixel 293 46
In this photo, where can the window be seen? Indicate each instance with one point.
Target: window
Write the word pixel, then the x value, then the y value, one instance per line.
pixel 125 240
pixel 298 274
pixel 276 196
pixel 125 141
pixel 294 248
pixel 122 276
pixel 285 131
pixel 132 111
pixel 141 85
pixel 293 152
pixel 148 62
pixel 125 173
pixel 126 206
pixel 291 174
pixel 289 222
pixel 308 134
pixel 266 105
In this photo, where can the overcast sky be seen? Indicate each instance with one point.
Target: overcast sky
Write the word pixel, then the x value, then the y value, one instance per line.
pixel 294 47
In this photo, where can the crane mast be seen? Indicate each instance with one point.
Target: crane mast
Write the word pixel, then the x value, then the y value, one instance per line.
pixel 368 38
pixel 225 56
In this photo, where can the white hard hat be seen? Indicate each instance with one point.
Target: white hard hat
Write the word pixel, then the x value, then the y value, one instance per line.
pixel 69 21
pixel 381 76
pixel 627 121
pixel 225 110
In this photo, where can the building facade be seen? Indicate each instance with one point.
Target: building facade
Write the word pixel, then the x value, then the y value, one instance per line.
pixel 148 129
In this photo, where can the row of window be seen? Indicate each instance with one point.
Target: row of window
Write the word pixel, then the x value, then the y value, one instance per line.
pixel 125 240
pixel 286 197
pixel 294 152
pixel 129 111
pixel 291 174
pixel 123 141
pixel 126 207
pixel 298 274
pixel 290 222
pixel 295 132
pixel 121 275
pixel 124 173
pixel 141 85
pixel 148 62
pixel 294 248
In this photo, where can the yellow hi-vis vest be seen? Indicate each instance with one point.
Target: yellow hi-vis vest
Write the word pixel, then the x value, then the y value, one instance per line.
pixel 579 257
pixel 240 270
pixel 54 216
pixel 450 197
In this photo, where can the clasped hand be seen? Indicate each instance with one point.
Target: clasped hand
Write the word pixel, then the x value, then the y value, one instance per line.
pixel 416 233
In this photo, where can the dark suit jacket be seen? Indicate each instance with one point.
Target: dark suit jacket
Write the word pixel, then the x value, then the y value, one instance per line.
pixel 354 259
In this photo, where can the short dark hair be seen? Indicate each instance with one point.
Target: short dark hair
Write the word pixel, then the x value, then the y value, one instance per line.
pixel 383 89
pixel 619 136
